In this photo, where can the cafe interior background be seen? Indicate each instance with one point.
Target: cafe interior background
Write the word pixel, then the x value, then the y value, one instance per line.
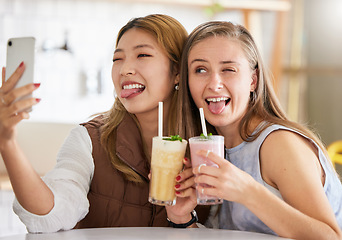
pixel 300 41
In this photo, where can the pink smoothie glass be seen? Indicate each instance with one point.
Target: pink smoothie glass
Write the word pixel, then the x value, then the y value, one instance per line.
pixel 214 144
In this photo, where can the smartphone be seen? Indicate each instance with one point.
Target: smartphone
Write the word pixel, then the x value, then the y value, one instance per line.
pixel 21 50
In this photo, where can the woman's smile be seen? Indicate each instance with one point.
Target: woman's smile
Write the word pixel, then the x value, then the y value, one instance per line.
pixel 216 105
pixel 131 89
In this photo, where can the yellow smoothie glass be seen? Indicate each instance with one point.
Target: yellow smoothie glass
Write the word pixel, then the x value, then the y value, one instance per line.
pixel 166 164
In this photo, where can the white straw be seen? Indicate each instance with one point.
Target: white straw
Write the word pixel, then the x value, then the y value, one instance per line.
pixel 160 119
pixel 204 128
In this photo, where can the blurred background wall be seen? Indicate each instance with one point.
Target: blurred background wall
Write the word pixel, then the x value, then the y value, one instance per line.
pixel 323 24
pixel 300 41
pixel 75 43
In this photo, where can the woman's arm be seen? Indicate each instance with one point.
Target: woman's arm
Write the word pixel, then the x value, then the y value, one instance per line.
pixel 289 164
pixel 26 183
pixel 59 201
pixel 69 181
pixel 29 189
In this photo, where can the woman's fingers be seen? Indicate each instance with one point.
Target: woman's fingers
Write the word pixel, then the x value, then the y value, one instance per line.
pixel 24 105
pixel 17 110
pixel 185 180
pixel 9 94
pixel 10 108
pixel 20 92
pixel 3 75
pixel 18 117
pixel 185 174
pixel 207 170
pixel 211 156
pixel 207 180
pixel 211 191
pixel 189 183
pixel 10 83
pixel 188 192
pixel 187 163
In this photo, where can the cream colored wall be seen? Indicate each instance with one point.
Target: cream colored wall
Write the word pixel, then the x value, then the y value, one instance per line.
pixel 40 142
pixel 324 55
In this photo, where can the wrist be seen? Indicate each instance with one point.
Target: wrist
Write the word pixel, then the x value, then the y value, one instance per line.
pixel 255 193
pixel 179 219
pixel 184 222
pixel 8 146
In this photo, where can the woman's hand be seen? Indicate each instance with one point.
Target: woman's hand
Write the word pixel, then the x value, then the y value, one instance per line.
pixel 11 111
pixel 186 196
pixel 27 184
pixel 227 182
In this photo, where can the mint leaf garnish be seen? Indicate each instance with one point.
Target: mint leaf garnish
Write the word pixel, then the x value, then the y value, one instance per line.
pixel 173 138
pixel 206 137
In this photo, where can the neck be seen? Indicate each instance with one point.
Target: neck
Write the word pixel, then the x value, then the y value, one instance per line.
pixel 149 129
pixel 231 135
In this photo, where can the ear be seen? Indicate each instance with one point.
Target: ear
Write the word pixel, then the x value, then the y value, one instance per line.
pixel 177 76
pixel 254 81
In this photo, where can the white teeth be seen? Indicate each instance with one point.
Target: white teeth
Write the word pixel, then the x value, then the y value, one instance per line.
pixel 217 99
pixel 132 86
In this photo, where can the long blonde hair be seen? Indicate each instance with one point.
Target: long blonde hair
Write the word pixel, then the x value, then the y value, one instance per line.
pixel 263 103
pixel 171 36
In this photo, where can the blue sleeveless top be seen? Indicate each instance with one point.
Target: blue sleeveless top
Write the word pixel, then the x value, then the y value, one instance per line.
pixel 246 157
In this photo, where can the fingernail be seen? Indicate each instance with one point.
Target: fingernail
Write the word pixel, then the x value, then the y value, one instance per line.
pixel 177 186
pixel 177 192
pixel 186 159
pixel 36 85
pixel 178 178
pixel 21 64
pixel 38 100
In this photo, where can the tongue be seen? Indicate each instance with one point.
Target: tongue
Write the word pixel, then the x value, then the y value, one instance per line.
pixel 217 107
pixel 125 93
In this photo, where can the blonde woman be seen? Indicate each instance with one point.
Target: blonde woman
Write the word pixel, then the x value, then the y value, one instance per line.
pixel 276 177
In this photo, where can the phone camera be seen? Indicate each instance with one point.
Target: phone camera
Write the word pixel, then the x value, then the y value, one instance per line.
pixel 10 43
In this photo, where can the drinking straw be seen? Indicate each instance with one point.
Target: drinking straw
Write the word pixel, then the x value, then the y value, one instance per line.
pixel 160 119
pixel 204 128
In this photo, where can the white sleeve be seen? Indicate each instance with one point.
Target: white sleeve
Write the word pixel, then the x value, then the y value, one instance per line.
pixel 69 181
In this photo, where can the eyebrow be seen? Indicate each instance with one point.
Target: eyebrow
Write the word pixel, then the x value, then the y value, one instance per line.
pixel 202 60
pixel 136 47
pixel 197 60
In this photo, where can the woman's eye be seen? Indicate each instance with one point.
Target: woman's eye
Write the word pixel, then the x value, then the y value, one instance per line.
pixel 116 59
pixel 144 55
pixel 200 70
pixel 229 70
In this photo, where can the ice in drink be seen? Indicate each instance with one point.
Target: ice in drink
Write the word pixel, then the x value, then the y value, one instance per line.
pixel 215 144
pixel 166 164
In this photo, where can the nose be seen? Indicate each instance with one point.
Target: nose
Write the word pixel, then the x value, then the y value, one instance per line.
pixel 127 68
pixel 215 82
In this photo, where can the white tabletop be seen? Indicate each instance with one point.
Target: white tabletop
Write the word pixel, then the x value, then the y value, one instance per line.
pixel 143 233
